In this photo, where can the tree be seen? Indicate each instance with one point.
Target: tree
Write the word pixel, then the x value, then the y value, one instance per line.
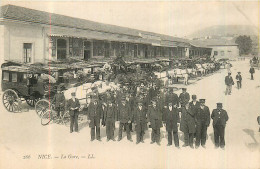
pixel 244 44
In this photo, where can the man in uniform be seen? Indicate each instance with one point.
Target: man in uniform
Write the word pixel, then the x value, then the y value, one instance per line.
pixel 125 118
pixel 109 120
pixel 155 120
pixel 220 117
pixel 184 97
pixel 229 82
pixel 139 121
pixel 187 125
pixel 239 80
pixel 95 112
pixel 171 118
pixel 202 119
pixel 59 102
pixel 73 107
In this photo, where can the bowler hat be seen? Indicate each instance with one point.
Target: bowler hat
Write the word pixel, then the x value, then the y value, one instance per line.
pixel 219 104
pixel 184 89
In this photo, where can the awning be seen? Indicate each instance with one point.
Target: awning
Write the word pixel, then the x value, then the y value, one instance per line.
pixel 87 34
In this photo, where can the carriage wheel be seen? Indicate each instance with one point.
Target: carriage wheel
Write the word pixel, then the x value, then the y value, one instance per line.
pixel 31 102
pixel 46 117
pixel 11 101
pixel 42 106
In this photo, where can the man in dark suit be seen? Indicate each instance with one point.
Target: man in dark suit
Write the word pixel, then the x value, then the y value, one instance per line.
pixel 187 125
pixel 59 102
pixel 140 121
pixel 171 97
pixel 194 104
pixel 220 117
pixel 155 120
pixel 202 119
pixel 229 82
pixel 95 113
pixel 73 107
pixel 252 71
pixel 184 97
pixel 109 120
pixel 125 118
pixel 239 80
pixel 171 118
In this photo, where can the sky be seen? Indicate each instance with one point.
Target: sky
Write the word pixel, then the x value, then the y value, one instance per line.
pixel 175 18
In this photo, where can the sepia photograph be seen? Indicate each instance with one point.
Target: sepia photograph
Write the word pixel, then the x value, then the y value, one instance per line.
pixel 129 84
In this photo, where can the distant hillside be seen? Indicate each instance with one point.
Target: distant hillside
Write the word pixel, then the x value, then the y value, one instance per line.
pixel 225 30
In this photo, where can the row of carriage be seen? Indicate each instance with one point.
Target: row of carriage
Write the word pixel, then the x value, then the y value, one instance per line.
pixel 36 84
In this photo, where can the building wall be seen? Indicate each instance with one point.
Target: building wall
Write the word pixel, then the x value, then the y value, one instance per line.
pixel 18 34
pixel 225 51
pixel 2 46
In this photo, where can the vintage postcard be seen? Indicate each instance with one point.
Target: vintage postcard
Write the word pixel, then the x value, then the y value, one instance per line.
pixel 129 84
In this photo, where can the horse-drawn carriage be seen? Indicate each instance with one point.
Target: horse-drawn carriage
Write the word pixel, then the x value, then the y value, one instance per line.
pixel 37 85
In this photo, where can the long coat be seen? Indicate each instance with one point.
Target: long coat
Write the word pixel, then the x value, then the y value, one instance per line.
pixel 139 115
pixel 195 107
pixel 171 118
pixel 154 114
pixel 219 115
pixel 73 104
pixel 173 98
pixel 202 117
pixel 124 113
pixel 187 121
pixel 95 112
pixel 184 98
pixel 59 100
pixel 229 80
pixel 110 114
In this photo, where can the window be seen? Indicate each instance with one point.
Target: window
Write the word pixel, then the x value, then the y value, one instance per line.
pixel 216 53
pixel 6 76
pixel 14 77
pixel 222 53
pixel 27 52
pixel 61 49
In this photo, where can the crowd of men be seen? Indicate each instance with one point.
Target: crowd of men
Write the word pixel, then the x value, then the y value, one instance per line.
pixel 151 107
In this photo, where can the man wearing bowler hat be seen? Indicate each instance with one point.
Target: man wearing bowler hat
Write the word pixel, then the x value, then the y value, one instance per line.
pixel 202 119
pixel 194 104
pixel 109 119
pixel 139 121
pixel 125 118
pixel 73 107
pixel 95 112
pixel 155 121
pixel 220 117
pixel 184 97
pixel 171 118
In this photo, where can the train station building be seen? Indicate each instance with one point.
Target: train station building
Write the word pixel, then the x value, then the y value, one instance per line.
pixel 31 36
